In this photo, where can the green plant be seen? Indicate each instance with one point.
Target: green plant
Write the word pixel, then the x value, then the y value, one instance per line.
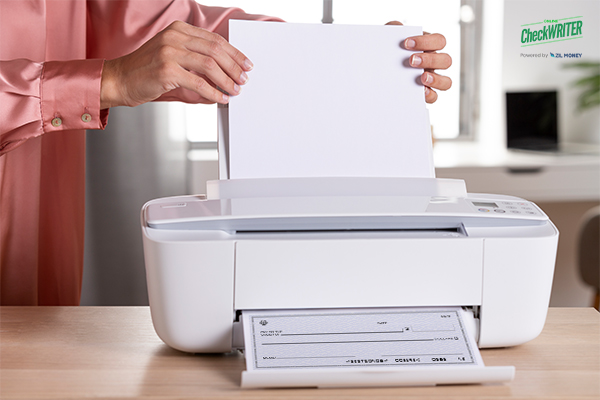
pixel 590 97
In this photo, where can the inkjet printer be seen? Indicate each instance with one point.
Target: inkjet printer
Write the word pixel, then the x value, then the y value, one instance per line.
pixel 324 243
pixel 344 242
pixel 335 243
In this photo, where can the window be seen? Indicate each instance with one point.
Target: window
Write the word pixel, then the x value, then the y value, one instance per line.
pixel 452 115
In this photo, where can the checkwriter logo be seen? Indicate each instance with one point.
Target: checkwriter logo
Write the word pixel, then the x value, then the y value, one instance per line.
pixel 551 30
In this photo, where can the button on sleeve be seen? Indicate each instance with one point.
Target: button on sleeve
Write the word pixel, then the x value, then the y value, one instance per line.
pixel 70 95
pixel 56 122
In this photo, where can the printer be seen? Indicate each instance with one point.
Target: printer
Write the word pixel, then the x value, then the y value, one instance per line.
pixel 311 243
pixel 342 242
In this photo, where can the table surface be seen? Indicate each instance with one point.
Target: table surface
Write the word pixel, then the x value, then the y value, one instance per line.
pixel 472 154
pixel 113 352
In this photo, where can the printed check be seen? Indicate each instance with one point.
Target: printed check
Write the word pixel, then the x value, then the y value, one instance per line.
pixel 358 338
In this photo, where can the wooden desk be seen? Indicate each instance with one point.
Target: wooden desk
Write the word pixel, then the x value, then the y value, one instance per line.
pixel 113 352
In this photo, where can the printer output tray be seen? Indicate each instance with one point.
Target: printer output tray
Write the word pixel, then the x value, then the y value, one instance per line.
pixel 364 377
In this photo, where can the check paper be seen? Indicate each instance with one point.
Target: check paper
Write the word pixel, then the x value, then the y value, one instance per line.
pixel 398 337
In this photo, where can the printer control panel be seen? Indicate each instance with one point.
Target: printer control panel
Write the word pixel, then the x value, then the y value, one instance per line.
pixel 513 208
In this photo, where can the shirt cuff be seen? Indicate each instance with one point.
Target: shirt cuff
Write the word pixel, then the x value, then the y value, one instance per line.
pixel 70 95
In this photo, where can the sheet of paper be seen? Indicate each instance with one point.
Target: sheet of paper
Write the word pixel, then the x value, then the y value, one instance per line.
pixel 398 337
pixel 328 100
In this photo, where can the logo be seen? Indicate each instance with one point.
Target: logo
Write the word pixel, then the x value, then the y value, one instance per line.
pixel 552 55
pixel 566 55
pixel 263 322
pixel 551 30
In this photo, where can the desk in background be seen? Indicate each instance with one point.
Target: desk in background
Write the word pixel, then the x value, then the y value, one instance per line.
pixel 536 176
pixel 113 352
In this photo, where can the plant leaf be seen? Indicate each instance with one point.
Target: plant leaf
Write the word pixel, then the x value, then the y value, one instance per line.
pixel 583 65
pixel 593 81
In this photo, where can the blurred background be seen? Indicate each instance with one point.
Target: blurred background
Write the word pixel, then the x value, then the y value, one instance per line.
pixel 482 136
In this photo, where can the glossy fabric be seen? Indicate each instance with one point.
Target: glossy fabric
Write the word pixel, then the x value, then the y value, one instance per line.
pixel 51 58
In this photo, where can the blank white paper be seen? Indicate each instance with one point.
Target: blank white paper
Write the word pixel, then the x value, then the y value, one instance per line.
pixel 328 101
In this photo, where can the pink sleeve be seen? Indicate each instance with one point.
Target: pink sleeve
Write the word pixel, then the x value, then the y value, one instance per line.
pixel 33 94
pixel 116 28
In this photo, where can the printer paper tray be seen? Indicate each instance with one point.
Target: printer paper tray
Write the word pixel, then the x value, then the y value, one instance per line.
pixel 380 377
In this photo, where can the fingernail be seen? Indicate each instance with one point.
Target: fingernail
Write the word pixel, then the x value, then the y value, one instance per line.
pixel 427 90
pixel 416 61
pixel 244 77
pixel 248 65
pixel 225 98
pixel 409 43
pixel 236 88
pixel 428 79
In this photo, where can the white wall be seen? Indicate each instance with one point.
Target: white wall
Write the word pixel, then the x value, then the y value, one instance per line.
pixel 521 74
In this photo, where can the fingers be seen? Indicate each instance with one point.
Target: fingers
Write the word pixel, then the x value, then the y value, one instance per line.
pixel 218 67
pixel 430 95
pixel 436 81
pixel 180 56
pixel 430 60
pixel 432 80
pixel 428 42
pixel 201 85
pixel 217 41
pixel 211 56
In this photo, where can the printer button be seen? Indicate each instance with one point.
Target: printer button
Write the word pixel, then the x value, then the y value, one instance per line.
pixel 483 210
pixel 499 211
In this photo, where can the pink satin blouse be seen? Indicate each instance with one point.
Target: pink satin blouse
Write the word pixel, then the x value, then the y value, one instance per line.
pixel 51 58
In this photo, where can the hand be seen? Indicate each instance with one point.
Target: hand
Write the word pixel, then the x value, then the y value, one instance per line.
pixel 183 56
pixel 429 60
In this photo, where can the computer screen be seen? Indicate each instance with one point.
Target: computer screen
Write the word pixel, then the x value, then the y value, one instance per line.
pixel 531 120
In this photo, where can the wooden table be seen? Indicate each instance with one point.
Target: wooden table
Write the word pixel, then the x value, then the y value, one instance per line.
pixel 113 352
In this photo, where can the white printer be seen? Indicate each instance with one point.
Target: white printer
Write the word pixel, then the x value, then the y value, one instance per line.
pixel 347 243
pixel 343 242
pixel 310 243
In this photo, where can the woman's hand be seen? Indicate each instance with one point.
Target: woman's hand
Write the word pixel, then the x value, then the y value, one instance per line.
pixel 429 60
pixel 181 55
